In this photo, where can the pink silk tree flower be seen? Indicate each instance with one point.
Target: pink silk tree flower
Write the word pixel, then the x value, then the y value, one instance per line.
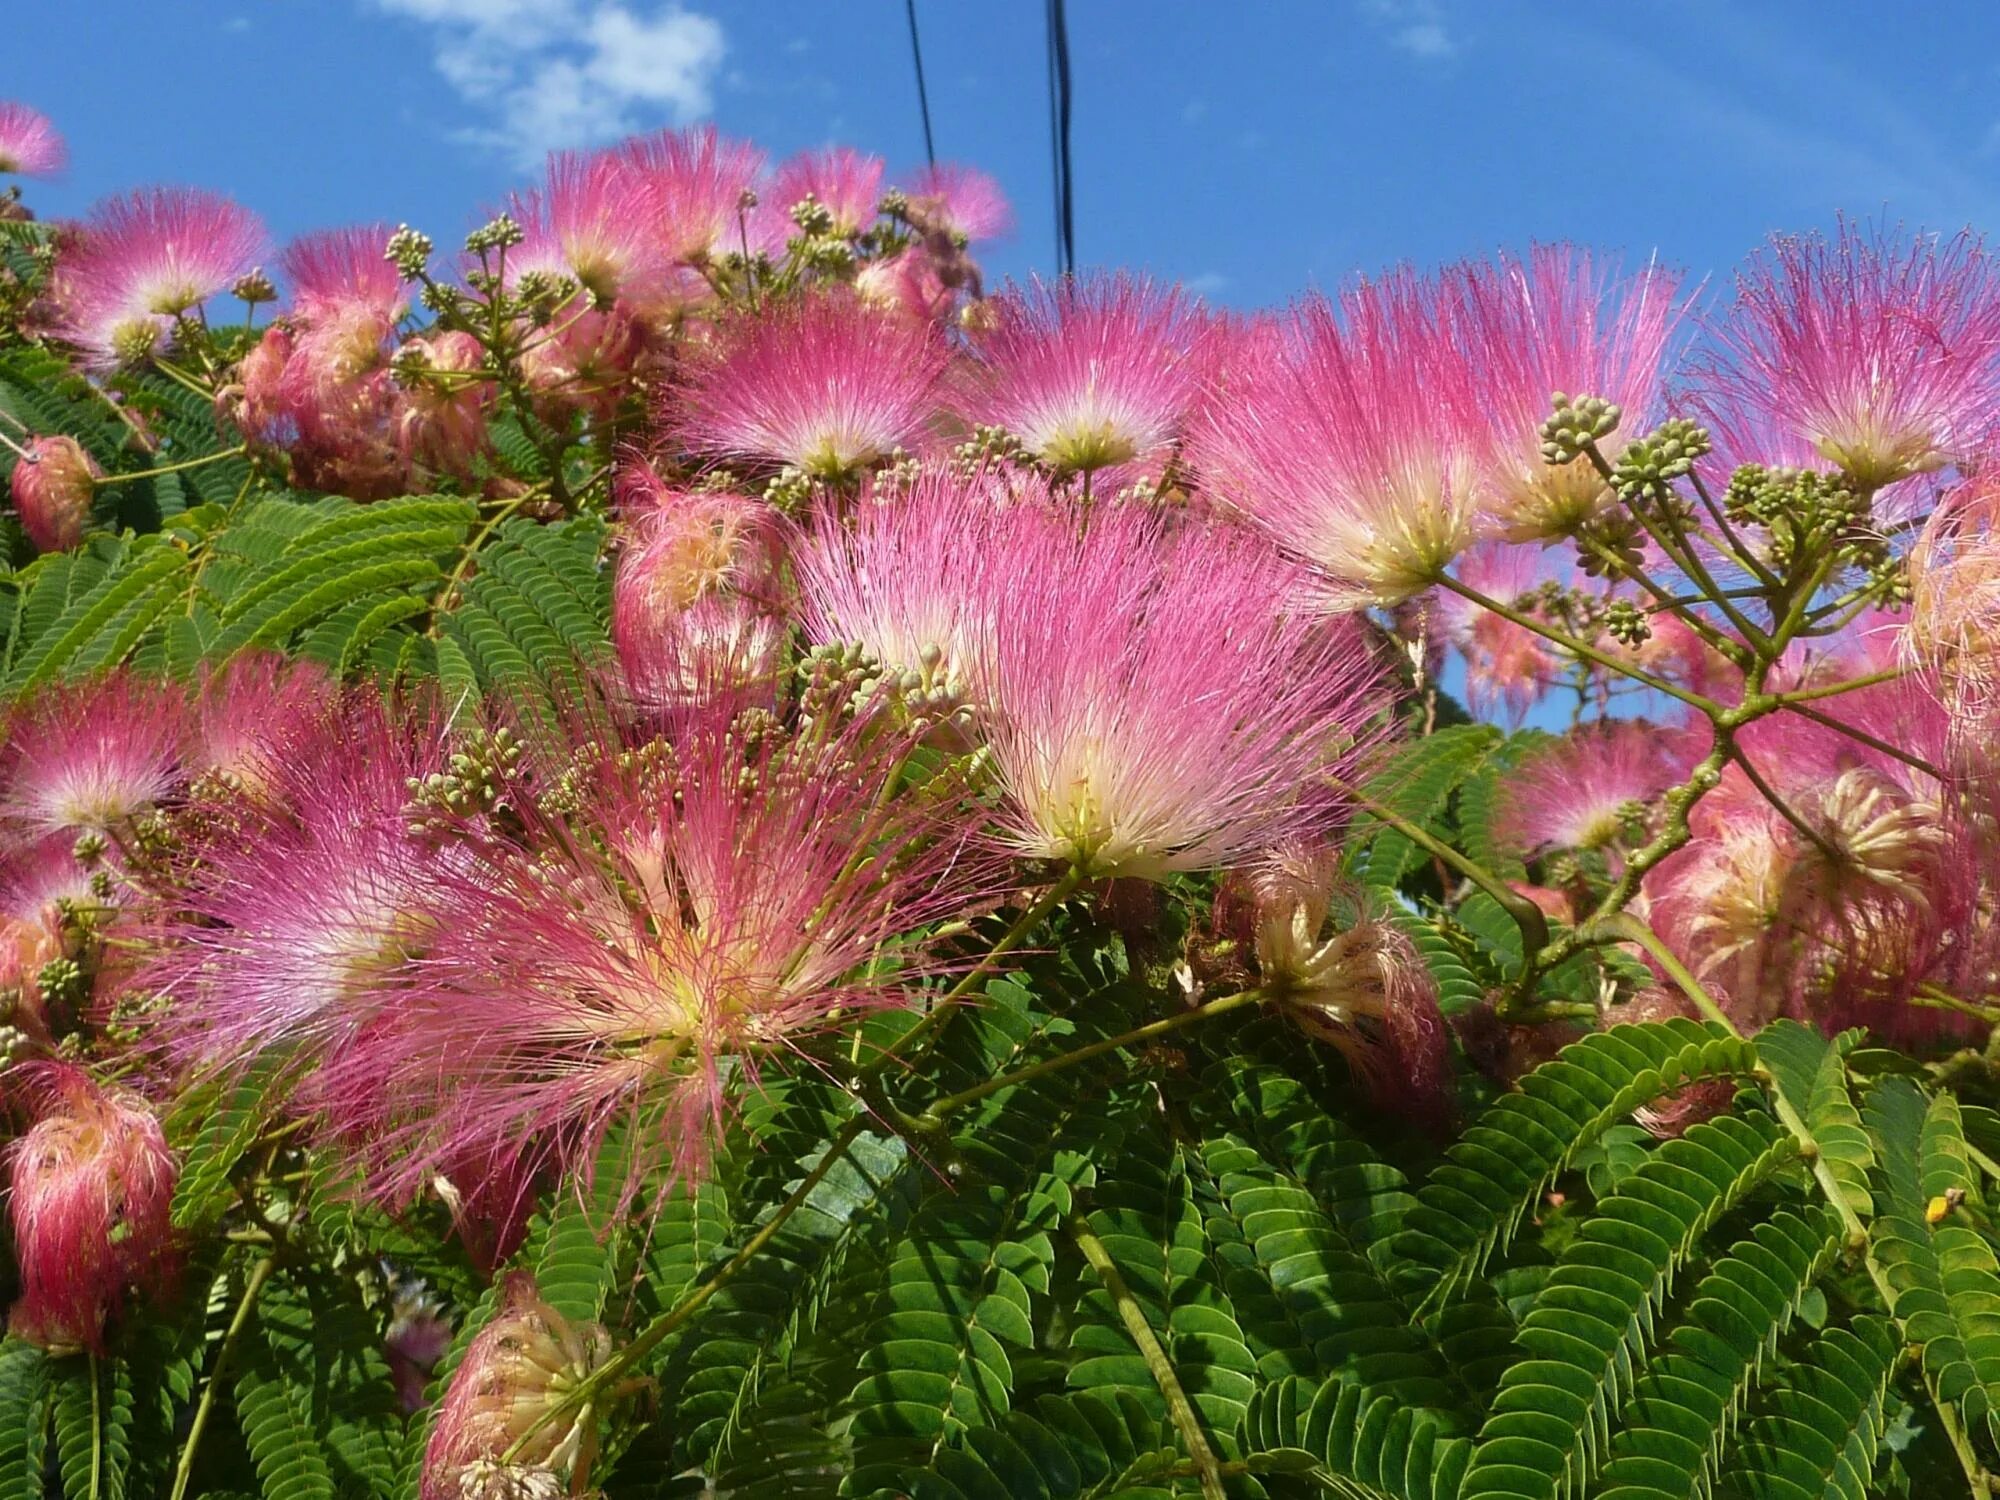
pixel 961 202
pixel 1580 792
pixel 1507 666
pixel 1354 440
pixel 693 916
pixel 335 271
pixel 91 1185
pixel 909 580
pixel 1954 571
pixel 1883 354
pixel 29 145
pixel 256 714
pixel 823 385
pixel 89 756
pixel 441 420
pixel 51 485
pixel 297 925
pixel 37 881
pixel 1559 321
pixel 705 188
pixel 907 283
pixel 845 182
pixel 1175 705
pixel 145 259
pixel 1087 374
pixel 596 220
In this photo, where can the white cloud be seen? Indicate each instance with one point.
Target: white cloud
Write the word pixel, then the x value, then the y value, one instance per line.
pixel 548 74
pixel 1417 27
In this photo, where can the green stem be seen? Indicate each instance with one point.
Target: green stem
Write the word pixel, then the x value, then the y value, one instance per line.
pixel 184 1470
pixel 1579 647
pixel 1862 737
pixel 1834 689
pixel 1186 1421
pixel 187 463
pixel 96 1430
pixel 1152 1029
pixel 1784 809
pixel 945 1007
pixel 1527 916
pixel 675 1318
pixel 447 595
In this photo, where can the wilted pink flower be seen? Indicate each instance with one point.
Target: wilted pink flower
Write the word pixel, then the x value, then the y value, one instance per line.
pixel 824 385
pixel 29 145
pixel 1559 321
pixel 143 260
pixel 89 755
pixel 1353 441
pixel 442 421
pixel 843 181
pixel 1579 792
pixel 1174 705
pixel 704 186
pixel 1345 975
pixel 1954 572
pixel 907 283
pixel 698 603
pixel 295 929
pixel 708 904
pixel 1507 666
pixel 91 1187
pixel 494 1435
pixel 51 486
pixel 1088 373
pixel 36 882
pixel 959 201
pixel 585 362
pixel 1883 355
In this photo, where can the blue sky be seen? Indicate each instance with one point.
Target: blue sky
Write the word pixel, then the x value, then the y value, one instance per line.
pixel 1251 149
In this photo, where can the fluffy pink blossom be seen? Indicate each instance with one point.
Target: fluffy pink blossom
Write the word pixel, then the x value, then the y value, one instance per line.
pixel 700 912
pixel 144 259
pixel 1954 571
pixel 1575 793
pixel 29 145
pixel 823 385
pixel 909 283
pixel 1559 321
pixel 90 755
pixel 585 363
pixel 1087 374
pixel 52 484
pixel 1507 666
pixel 91 1187
pixel 845 182
pixel 1353 439
pixel 909 580
pixel 36 881
pixel 1881 353
pixel 962 202
pixel 295 927
pixel 705 187
pixel 1174 705
pixel 597 220
pixel 333 271
pixel 255 715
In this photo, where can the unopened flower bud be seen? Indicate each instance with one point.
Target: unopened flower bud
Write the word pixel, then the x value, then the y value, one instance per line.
pixel 51 487
pixel 497 1432
pixel 254 288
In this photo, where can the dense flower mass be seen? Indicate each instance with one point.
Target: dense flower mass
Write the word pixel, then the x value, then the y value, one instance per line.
pixel 682 845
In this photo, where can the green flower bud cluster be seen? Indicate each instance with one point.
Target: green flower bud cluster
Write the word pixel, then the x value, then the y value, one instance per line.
pixel 1626 623
pixel 1803 511
pixel 789 489
pixel 1575 425
pixel 499 233
pixel 254 288
pixel 474 780
pixel 1648 467
pixel 409 251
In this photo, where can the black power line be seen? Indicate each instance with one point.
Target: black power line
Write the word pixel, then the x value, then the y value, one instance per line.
pixel 923 96
pixel 1059 112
